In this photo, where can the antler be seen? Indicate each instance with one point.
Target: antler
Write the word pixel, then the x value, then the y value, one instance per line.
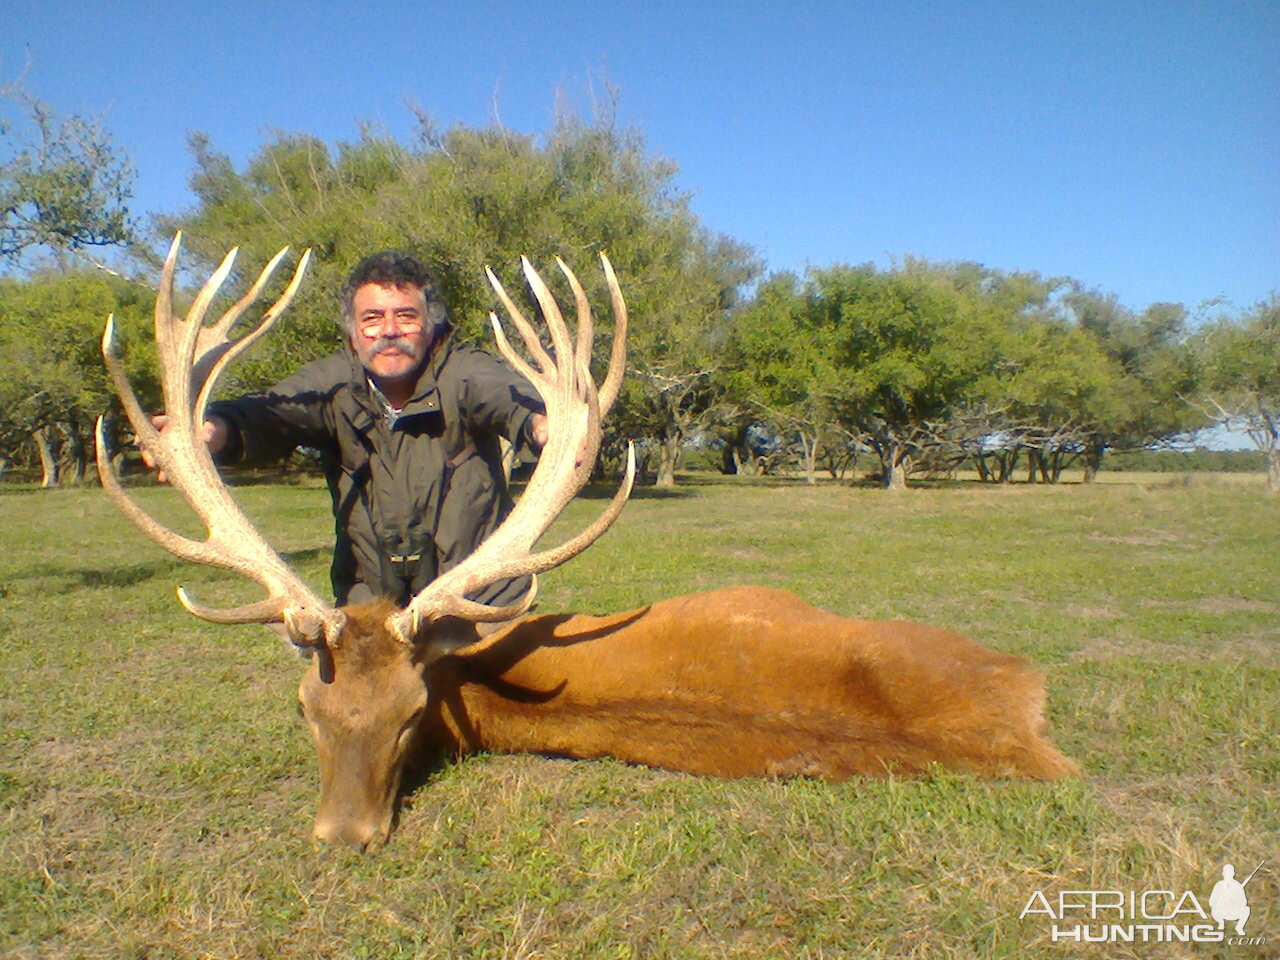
pixel 574 409
pixel 192 356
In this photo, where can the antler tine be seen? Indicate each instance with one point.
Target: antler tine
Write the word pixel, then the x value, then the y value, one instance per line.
pixel 573 440
pixel 586 332
pixel 565 373
pixel 137 417
pixel 527 333
pixel 182 547
pixel 228 319
pixel 176 339
pixel 164 296
pixel 618 355
pixel 221 351
pixel 184 347
pixel 504 347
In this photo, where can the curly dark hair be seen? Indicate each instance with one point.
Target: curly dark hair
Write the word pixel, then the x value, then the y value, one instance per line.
pixel 390 268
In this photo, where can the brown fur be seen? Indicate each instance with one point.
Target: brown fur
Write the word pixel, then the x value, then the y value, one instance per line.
pixel 741 682
pixel 748 682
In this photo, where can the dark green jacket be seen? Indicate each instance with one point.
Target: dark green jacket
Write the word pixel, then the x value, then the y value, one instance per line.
pixel 413 493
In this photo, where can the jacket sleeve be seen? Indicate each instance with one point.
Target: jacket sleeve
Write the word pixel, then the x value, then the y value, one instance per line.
pixel 268 426
pixel 498 400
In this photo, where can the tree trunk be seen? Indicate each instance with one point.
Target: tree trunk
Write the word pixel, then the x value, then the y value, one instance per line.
pixel 668 460
pixel 1093 452
pixel 897 477
pixel 1273 470
pixel 1039 466
pixel 1008 461
pixel 810 445
pixel 1055 463
pixel 893 467
pixel 74 453
pixel 730 462
pixel 48 457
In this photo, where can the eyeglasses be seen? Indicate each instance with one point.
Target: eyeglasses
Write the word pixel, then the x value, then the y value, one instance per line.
pixel 406 321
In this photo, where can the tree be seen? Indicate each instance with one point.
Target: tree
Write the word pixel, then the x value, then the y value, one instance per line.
pixel 63 183
pixel 54 385
pixel 911 347
pixel 925 360
pixel 64 187
pixel 1241 386
pixel 1153 367
pixel 783 370
pixel 468 197
pixel 1050 381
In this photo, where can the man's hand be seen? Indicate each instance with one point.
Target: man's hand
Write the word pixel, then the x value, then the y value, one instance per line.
pixel 213 432
pixel 538 429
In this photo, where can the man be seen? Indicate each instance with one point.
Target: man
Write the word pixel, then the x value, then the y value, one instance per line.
pixel 407 424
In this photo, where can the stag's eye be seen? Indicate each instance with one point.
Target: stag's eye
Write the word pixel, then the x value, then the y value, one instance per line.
pixel 410 726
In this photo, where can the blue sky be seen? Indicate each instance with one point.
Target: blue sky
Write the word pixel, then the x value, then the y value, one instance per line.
pixel 1133 146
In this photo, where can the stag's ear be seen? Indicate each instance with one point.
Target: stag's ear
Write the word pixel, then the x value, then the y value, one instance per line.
pixel 443 636
pixel 304 651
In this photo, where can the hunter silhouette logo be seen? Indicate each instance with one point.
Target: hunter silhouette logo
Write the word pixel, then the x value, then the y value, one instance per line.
pixel 1228 901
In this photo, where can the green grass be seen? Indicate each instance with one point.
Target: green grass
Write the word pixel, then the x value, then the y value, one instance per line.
pixel 157 788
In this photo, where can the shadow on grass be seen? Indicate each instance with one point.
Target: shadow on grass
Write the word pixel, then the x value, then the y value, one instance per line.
pixel 69 579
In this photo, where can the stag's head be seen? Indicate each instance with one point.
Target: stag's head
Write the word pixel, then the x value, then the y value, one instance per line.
pixel 366 692
pixel 363 700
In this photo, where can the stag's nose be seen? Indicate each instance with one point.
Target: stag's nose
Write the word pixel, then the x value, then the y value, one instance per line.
pixel 352 834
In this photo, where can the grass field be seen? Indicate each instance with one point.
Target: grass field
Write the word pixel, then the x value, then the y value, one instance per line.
pixel 157 788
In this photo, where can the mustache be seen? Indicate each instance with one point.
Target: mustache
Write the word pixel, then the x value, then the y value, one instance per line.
pixel 383 344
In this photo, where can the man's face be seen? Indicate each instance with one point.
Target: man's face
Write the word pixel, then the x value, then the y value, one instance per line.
pixel 390 331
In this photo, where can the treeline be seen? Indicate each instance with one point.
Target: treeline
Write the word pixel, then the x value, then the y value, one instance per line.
pixel 1178 461
pixel 917 367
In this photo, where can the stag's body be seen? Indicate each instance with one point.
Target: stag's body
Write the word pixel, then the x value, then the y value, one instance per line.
pixel 749 682
pixel 740 682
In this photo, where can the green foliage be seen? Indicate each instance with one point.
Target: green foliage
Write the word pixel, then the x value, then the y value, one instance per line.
pixel 50 352
pixel 1242 378
pixel 910 344
pixel 894 357
pixel 63 184
pixel 929 365
pixel 783 365
pixel 465 199
pixel 1153 372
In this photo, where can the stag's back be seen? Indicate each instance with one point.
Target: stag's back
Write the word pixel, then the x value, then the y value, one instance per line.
pixel 748 681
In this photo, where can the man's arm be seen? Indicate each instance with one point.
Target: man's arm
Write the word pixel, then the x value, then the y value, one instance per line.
pixel 497 399
pixel 264 427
